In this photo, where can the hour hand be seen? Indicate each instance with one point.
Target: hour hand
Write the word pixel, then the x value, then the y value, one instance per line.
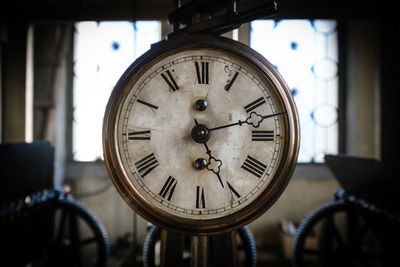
pixel 214 164
pixel 200 134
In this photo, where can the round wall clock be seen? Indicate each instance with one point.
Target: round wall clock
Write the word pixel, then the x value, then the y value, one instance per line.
pixel 200 135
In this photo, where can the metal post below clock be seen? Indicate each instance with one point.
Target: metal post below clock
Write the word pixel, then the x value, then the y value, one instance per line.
pixel 200 135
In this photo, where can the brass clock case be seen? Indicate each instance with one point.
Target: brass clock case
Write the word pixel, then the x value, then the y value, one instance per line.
pixel 277 183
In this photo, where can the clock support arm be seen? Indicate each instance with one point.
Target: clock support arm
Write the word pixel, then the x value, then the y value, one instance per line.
pixel 206 22
pixel 199 250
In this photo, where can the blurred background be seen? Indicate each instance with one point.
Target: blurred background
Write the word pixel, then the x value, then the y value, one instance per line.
pixel 60 59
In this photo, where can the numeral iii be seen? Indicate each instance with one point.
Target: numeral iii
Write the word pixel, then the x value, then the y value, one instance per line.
pixel 262 135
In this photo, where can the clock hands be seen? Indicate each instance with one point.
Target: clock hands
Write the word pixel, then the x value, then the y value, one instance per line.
pixel 200 134
pixel 214 164
pixel 254 119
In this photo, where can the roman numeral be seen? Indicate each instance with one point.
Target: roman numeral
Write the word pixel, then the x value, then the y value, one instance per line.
pixel 262 135
pixel 229 85
pixel 146 164
pixel 200 200
pixel 233 190
pixel 141 135
pixel 147 104
pixel 202 73
pixel 254 104
pixel 170 80
pixel 168 188
pixel 254 166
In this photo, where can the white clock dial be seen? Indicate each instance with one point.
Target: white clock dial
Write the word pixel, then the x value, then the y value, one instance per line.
pixel 159 153
pixel 200 135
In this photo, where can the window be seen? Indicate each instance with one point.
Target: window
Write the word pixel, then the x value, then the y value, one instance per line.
pixel 103 51
pixel 305 52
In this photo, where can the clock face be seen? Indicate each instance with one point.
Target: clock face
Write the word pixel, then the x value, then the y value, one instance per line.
pixel 199 135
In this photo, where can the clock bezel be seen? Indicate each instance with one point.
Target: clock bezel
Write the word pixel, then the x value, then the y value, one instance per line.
pixel 191 226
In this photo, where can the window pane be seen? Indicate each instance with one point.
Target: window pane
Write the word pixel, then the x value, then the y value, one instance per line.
pixel 305 52
pixel 103 51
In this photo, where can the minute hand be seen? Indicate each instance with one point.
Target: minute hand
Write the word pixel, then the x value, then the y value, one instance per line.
pixel 254 119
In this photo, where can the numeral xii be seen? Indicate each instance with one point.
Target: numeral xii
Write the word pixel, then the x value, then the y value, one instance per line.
pixel 202 72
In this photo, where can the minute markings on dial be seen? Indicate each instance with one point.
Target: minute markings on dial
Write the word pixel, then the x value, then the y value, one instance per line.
pixel 254 166
pixel 146 164
pixel 170 80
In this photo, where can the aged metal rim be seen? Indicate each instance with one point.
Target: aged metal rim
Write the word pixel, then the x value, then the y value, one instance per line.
pixel 213 226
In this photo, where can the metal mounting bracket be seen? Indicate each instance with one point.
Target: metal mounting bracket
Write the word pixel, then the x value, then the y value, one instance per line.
pixel 215 16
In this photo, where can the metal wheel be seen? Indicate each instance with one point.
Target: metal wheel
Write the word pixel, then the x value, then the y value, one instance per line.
pixel 341 234
pixel 78 232
pixel 57 232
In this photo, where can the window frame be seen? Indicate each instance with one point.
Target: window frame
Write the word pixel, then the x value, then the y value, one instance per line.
pixel 310 170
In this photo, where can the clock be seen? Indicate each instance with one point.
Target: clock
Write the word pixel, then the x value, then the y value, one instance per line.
pixel 200 135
